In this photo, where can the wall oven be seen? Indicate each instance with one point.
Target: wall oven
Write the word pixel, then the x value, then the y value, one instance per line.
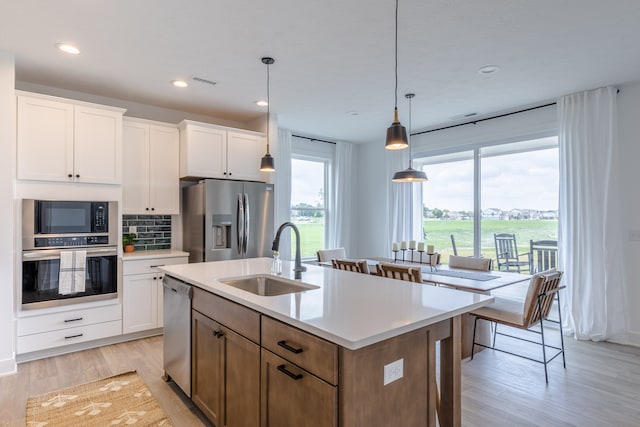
pixel 69 252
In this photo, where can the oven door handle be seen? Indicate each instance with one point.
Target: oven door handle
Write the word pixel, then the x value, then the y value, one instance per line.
pixel 55 253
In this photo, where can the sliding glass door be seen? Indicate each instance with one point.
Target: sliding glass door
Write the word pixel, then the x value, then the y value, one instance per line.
pixel 474 194
pixel 519 195
pixel 448 203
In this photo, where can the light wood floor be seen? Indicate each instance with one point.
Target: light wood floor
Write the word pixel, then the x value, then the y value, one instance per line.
pixel 600 387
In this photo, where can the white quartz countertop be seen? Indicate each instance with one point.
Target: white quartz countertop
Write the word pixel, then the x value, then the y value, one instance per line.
pixel 160 253
pixel 353 310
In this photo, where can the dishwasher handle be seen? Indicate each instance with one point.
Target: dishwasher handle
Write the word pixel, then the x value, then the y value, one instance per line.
pixel 177 286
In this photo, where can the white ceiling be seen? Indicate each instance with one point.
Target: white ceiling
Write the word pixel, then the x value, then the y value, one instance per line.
pixel 333 57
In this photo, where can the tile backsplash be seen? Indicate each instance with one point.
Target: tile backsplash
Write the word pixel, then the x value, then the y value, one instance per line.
pixel 154 231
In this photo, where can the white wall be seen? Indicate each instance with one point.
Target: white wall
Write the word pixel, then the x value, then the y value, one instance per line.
pixel 7 173
pixel 370 217
pixel 629 135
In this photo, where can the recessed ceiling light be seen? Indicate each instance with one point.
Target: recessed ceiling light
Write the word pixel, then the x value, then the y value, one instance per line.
pixel 262 103
pixel 488 69
pixel 179 83
pixel 67 48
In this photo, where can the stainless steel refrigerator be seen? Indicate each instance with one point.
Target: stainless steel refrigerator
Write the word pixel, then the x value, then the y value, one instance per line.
pixel 227 220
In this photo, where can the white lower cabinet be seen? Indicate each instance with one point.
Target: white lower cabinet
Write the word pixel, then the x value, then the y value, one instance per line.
pixel 140 297
pixel 142 293
pixel 45 331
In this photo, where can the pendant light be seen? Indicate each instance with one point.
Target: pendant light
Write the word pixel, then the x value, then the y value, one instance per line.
pixel 409 174
pixel 267 163
pixel 396 133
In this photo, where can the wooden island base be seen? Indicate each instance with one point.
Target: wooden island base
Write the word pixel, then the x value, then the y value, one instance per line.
pixel 410 400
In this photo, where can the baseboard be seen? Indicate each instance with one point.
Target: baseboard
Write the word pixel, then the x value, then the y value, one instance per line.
pixel 41 354
pixel 634 339
pixel 8 367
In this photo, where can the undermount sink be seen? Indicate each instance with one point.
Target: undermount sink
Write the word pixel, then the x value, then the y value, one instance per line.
pixel 267 285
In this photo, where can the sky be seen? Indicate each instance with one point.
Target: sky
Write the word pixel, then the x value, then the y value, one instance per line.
pixel 515 181
pixel 307 181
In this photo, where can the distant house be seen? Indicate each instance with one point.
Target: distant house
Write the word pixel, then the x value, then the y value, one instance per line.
pixel 456 215
pixel 492 213
pixel 548 214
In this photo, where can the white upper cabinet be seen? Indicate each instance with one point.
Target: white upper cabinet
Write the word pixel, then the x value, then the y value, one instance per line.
pixel 209 151
pixel 69 141
pixel 150 183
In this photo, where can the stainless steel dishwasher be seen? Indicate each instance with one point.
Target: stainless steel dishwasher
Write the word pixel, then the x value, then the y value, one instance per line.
pixel 177 332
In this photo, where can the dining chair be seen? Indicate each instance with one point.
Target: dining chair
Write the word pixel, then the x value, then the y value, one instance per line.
pixel 357 266
pixel 469 263
pixel 544 255
pixel 525 315
pixel 507 256
pixel 326 255
pixel 401 272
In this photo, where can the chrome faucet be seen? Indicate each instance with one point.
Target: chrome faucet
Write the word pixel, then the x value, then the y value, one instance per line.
pixel 299 268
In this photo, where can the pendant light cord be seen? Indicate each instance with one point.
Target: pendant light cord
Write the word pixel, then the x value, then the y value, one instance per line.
pixel 409 136
pixel 396 68
pixel 268 107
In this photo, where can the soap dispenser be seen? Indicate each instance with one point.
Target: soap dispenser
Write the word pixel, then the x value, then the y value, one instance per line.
pixel 276 264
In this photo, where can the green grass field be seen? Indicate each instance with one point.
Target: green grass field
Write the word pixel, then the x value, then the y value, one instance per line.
pixel 438 232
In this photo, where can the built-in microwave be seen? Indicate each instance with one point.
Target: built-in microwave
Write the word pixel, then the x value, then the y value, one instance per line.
pixel 69 252
pixel 64 223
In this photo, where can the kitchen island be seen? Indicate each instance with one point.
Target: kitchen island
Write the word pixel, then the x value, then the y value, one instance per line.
pixel 352 350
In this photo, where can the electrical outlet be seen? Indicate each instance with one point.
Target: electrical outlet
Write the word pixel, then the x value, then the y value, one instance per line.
pixel 133 229
pixel 393 371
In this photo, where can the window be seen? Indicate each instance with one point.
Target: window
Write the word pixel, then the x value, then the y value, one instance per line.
pixel 474 194
pixel 308 204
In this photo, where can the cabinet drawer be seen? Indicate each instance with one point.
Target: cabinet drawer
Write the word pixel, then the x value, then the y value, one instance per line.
pixel 46 340
pixel 142 266
pixel 314 354
pixel 68 319
pixel 242 320
pixel 293 397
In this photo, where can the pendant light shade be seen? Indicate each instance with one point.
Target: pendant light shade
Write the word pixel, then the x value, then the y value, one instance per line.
pixel 409 174
pixel 267 164
pixel 396 133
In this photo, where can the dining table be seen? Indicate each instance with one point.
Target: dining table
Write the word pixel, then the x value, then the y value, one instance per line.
pixel 465 280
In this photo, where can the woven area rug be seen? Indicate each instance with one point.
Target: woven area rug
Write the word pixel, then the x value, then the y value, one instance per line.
pixel 121 400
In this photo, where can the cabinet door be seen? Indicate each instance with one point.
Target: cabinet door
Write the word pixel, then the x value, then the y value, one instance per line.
pixel 135 168
pixel 244 152
pixel 207 367
pixel 203 152
pixel 164 181
pixel 139 302
pixel 242 369
pixel 292 397
pixel 45 139
pixel 97 145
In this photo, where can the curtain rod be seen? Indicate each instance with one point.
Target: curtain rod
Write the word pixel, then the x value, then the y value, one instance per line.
pixel 314 139
pixel 486 118
pixel 490 118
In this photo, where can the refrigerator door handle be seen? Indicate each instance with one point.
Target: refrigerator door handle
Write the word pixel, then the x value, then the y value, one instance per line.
pixel 240 224
pixel 246 223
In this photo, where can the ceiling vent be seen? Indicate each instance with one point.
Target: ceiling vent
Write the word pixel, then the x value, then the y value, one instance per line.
pixel 201 80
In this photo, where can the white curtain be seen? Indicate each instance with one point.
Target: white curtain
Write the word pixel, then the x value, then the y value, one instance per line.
pixel 399 201
pixel 590 226
pixel 341 207
pixel 283 189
